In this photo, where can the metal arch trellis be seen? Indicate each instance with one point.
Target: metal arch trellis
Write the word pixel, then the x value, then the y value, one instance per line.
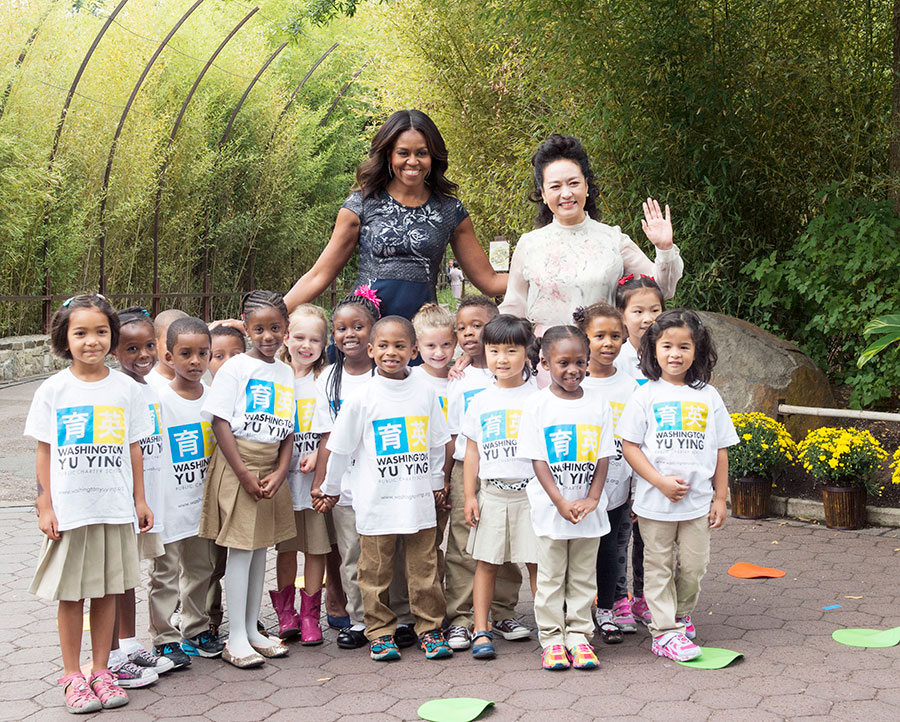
pixel 165 164
pixel 112 149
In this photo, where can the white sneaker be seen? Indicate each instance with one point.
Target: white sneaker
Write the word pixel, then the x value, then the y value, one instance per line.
pixel 457 637
pixel 142 658
pixel 130 676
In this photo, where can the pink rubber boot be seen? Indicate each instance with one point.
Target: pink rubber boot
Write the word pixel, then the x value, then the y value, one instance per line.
pixel 310 631
pixel 288 619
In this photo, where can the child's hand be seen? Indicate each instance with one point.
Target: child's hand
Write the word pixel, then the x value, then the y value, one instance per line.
pixel 447 504
pixel 48 524
pixel 717 514
pixel 439 499
pixel 252 485
pixel 568 511
pixel 674 487
pixel 270 484
pixel 583 507
pixel 308 463
pixel 456 370
pixel 144 516
pixel 473 516
pixel 327 503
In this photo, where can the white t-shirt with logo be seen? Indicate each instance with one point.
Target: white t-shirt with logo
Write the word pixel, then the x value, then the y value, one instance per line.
pixel 152 452
pixel 256 398
pixel 401 428
pixel 460 393
pixel 628 361
pixel 616 389
pixel 680 429
pixel 492 422
pixel 189 444
pixel 437 383
pixel 306 441
pixel 323 421
pixel 89 426
pixel 570 435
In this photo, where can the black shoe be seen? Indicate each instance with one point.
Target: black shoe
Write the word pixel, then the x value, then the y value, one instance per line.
pixel 350 638
pixel 173 651
pixel 405 636
pixel 206 644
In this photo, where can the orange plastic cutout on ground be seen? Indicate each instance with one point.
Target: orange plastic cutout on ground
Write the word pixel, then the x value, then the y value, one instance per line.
pixel 745 570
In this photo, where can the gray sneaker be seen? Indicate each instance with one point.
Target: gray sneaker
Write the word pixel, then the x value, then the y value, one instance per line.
pixel 131 676
pixel 457 637
pixel 143 658
pixel 511 630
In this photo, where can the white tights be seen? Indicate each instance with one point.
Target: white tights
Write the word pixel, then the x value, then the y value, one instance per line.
pixel 244 581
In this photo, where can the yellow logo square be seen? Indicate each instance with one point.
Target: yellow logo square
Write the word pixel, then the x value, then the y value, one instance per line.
pixel 109 425
pixel 693 416
pixel 588 436
pixel 417 433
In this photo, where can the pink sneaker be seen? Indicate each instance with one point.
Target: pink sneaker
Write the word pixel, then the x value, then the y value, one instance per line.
pixel 690 631
pixel 640 610
pixel 623 616
pixel 675 646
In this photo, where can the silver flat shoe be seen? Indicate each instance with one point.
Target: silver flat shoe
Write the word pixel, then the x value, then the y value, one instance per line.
pixel 247 662
pixel 274 650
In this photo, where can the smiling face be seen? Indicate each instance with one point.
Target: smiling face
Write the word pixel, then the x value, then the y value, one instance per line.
pixel 564 190
pixel 641 310
pixel 137 349
pixel 89 336
pixel 189 357
pixel 351 327
pixel 436 347
pixel 305 342
pixel 675 354
pixel 391 349
pixel 606 335
pixel 506 361
pixel 267 328
pixel 410 160
pixel 567 362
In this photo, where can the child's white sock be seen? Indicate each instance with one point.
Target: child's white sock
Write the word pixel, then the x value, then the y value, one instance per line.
pixel 129 645
pixel 117 657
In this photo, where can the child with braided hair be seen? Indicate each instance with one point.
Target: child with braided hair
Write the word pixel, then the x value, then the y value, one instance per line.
pixel 246 505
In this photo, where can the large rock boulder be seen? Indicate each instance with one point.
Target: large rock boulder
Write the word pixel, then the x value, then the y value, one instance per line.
pixel 757 371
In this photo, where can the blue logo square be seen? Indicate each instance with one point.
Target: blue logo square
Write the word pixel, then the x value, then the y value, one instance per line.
pixel 390 436
pixel 260 396
pixel 75 425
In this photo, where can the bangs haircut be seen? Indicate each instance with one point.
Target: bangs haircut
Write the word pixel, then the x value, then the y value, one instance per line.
pixel 184 326
pixel 59 324
pixel 506 329
pixel 626 290
pixel 705 356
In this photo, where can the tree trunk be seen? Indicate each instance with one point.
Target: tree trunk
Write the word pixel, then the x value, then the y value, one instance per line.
pixel 894 157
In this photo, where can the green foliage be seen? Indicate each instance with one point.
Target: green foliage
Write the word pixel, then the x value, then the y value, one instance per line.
pixel 888 328
pixel 263 204
pixel 824 288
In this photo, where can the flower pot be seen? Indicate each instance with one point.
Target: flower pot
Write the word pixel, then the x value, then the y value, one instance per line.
pixel 845 507
pixel 750 496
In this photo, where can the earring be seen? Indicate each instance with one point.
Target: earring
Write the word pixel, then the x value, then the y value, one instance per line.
pixel 390 171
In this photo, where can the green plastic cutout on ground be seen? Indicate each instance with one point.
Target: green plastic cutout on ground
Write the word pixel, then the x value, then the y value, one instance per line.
pixel 867 637
pixel 713 658
pixel 455 709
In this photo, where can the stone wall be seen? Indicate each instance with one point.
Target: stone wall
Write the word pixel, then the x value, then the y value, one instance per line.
pixel 23 357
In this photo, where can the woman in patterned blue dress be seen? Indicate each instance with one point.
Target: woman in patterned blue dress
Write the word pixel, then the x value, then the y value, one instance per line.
pixel 402 215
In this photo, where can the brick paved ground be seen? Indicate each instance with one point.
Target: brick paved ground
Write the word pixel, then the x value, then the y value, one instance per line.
pixel 792 668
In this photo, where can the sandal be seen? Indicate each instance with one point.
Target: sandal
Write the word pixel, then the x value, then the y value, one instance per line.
pixel 110 694
pixel 485 650
pixel 611 634
pixel 80 698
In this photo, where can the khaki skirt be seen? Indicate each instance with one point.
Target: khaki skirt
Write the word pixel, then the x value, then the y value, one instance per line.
pixel 504 532
pixel 231 516
pixel 88 563
pixel 315 533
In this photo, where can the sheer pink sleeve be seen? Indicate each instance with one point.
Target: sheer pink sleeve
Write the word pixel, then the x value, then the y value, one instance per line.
pixel 667 270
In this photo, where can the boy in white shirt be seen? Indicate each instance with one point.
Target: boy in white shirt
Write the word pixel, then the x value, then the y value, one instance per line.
pixel 395 428
pixel 472 316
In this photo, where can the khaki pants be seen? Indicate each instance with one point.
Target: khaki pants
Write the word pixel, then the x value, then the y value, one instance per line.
pixel 348 545
pixel 460 566
pixel 183 571
pixel 376 571
pixel 566 584
pixel 667 596
pixel 214 607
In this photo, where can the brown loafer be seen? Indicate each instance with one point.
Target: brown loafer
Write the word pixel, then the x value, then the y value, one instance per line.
pixel 247 662
pixel 273 650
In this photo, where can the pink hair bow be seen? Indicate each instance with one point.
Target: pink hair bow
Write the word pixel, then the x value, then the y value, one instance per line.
pixel 368 293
